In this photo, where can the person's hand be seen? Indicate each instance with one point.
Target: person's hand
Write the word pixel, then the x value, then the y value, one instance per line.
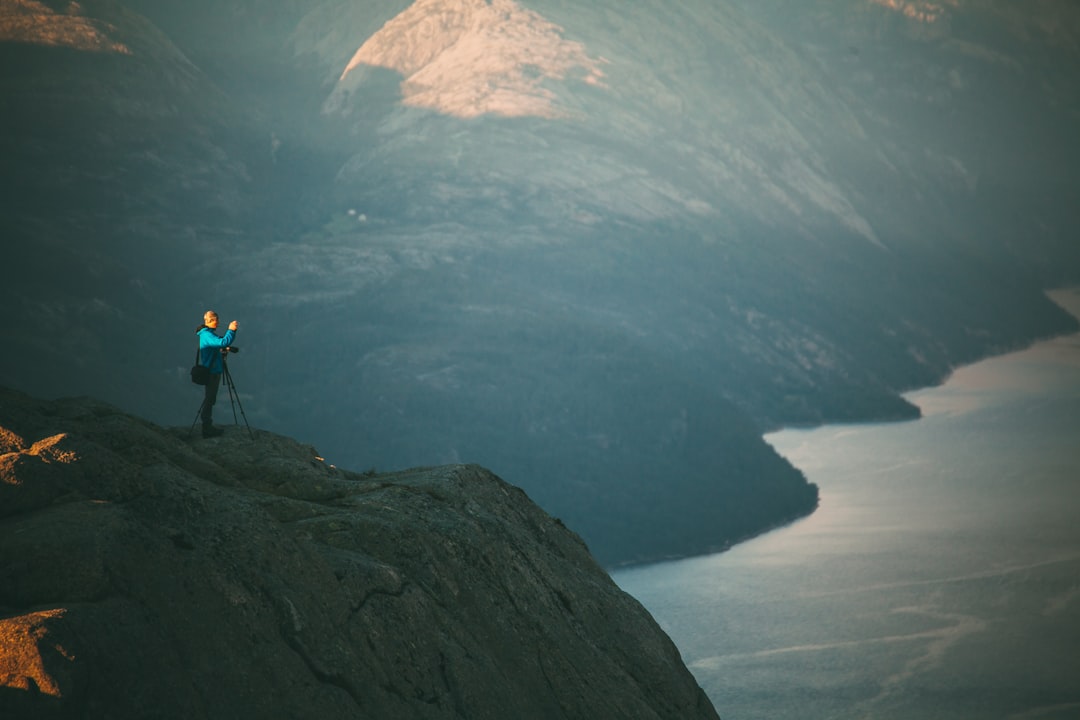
pixel 233 326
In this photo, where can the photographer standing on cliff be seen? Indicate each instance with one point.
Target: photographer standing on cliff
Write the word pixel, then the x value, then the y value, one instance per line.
pixel 211 348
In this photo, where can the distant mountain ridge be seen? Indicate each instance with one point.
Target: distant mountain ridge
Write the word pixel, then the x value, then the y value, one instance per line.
pixel 631 109
pixel 603 269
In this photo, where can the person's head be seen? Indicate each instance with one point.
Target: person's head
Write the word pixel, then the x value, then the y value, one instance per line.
pixel 210 319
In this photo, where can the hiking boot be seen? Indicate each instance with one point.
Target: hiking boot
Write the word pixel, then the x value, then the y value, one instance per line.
pixel 209 431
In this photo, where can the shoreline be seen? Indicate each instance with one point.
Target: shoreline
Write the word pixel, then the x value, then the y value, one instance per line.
pixel 1067 298
pixel 936 546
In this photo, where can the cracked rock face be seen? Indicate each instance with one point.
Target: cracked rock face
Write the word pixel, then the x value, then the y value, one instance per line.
pixel 143 574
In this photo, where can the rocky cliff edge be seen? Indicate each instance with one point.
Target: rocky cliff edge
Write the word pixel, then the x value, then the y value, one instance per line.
pixel 143 574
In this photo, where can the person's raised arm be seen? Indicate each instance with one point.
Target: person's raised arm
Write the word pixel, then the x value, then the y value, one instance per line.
pixel 209 339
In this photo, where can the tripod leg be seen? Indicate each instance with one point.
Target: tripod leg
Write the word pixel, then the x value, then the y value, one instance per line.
pixel 233 397
pixel 198 414
pixel 234 394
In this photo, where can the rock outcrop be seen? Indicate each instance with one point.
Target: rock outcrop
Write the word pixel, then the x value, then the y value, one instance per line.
pixel 143 574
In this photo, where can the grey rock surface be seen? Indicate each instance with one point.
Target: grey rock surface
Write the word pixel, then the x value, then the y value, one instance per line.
pixel 145 574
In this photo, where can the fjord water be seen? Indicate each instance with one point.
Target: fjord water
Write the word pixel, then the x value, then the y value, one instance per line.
pixel 939 578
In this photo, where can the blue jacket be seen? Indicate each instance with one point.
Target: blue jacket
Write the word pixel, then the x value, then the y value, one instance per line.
pixel 210 348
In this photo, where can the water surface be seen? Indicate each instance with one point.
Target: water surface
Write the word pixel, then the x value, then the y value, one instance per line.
pixel 940 577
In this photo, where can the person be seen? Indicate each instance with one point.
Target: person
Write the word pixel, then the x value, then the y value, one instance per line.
pixel 211 349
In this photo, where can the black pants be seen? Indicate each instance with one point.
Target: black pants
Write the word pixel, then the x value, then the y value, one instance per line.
pixel 210 398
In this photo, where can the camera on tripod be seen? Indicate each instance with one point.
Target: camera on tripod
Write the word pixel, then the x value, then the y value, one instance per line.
pixel 230 349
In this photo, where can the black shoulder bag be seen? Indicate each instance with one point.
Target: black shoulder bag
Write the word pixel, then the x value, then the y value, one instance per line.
pixel 200 374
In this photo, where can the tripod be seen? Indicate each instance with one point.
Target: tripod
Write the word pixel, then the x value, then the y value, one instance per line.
pixel 234 397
